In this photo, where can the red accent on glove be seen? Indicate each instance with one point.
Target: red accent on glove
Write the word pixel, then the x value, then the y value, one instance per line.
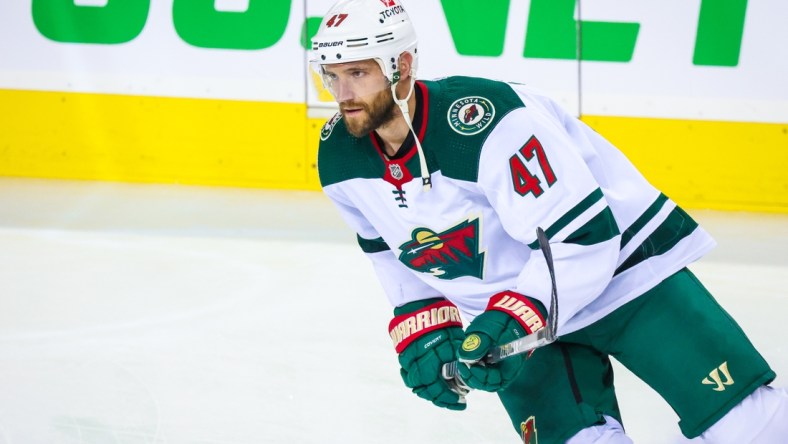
pixel 519 307
pixel 405 328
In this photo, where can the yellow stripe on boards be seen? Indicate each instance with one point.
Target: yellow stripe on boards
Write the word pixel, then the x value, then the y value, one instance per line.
pixel 153 139
pixel 700 164
pixel 706 164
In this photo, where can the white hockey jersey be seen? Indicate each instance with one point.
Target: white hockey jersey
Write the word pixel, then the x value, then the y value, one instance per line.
pixel 503 160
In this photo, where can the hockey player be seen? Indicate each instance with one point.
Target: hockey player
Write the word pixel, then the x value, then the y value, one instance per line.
pixel 446 182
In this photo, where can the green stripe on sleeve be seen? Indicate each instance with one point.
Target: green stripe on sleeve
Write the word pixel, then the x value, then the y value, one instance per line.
pixel 372 245
pixel 600 228
pixel 570 215
pixel 644 218
pixel 676 227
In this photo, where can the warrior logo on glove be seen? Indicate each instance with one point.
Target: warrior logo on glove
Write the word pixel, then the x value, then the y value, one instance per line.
pixel 447 255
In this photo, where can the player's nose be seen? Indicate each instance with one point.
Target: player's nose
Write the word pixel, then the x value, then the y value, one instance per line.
pixel 345 95
pixel 343 92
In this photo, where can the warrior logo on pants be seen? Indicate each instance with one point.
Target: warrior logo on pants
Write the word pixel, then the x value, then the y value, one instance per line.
pixel 716 379
pixel 528 429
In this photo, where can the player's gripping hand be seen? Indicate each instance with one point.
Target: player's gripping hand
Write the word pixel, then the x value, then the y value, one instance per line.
pixel 508 316
pixel 427 334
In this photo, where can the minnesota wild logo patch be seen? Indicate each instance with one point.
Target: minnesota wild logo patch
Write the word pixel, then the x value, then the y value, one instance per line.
pixel 471 115
pixel 447 255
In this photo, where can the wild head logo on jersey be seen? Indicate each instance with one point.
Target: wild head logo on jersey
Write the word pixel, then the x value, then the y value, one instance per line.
pixel 528 430
pixel 471 115
pixel 447 255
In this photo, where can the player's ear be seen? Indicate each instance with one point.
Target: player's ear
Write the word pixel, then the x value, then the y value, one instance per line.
pixel 405 65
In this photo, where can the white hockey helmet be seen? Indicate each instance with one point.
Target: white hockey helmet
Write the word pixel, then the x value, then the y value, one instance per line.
pixel 354 30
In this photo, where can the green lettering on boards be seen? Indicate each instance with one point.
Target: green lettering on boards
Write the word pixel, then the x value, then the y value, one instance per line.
pixel 119 21
pixel 477 29
pixel 720 30
pixel 552 33
pixel 261 26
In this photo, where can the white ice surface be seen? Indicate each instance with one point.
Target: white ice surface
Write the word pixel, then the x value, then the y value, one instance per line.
pixel 166 314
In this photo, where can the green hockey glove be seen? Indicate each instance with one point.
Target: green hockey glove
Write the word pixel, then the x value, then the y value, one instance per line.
pixel 508 316
pixel 427 334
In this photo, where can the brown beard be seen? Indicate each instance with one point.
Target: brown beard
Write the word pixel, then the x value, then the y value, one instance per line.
pixel 379 111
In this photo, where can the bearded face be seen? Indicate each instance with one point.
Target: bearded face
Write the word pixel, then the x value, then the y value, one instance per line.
pixel 363 93
pixel 362 116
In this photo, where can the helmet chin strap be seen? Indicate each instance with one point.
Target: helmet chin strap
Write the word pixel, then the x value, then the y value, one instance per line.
pixel 426 180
